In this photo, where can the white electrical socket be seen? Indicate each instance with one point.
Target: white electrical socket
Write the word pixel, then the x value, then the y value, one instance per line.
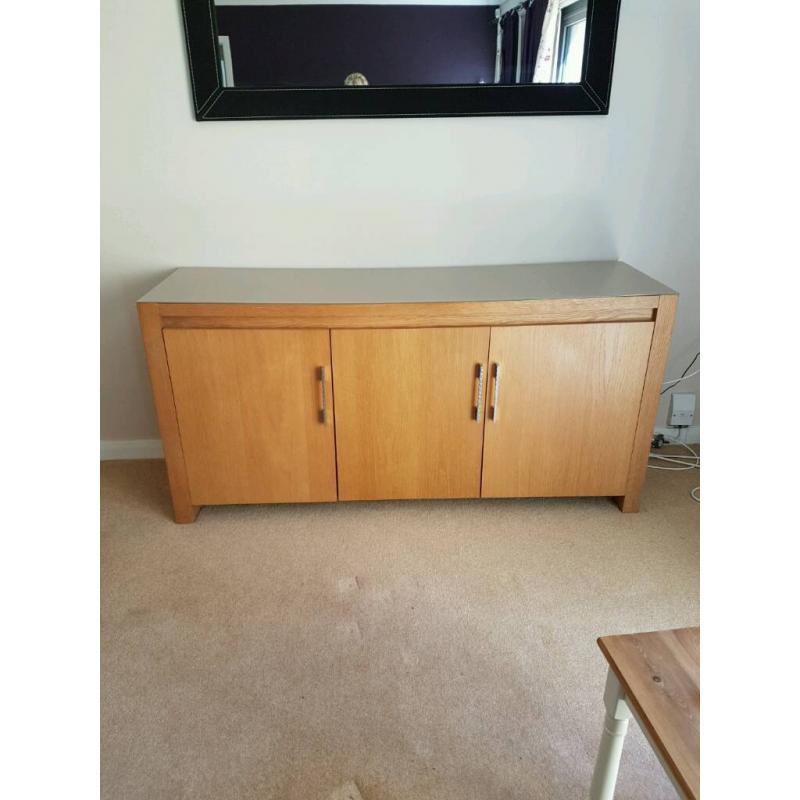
pixel 681 409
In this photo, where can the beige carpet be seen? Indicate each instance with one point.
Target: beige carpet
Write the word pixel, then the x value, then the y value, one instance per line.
pixel 422 650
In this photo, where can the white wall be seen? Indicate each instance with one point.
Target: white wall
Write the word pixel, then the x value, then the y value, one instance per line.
pixel 387 192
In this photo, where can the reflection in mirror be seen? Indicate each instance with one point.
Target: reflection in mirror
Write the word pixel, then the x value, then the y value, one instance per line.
pixel 317 44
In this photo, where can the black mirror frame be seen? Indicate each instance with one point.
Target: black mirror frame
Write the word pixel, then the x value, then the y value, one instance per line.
pixel 213 102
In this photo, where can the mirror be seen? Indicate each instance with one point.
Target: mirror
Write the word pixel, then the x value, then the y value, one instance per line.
pixel 313 43
pixel 317 58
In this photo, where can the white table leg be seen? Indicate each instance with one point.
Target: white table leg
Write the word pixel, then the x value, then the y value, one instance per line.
pixel 614 729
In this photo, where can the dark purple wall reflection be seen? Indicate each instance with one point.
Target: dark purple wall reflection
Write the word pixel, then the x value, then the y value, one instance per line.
pixel 392 45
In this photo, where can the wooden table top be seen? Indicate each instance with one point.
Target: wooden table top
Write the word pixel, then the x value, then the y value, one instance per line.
pixel 660 674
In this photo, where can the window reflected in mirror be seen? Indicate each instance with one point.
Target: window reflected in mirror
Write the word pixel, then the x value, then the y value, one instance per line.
pixel 275 44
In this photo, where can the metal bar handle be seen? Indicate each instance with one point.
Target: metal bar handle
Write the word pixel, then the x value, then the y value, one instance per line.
pixel 496 392
pixel 479 398
pixel 323 412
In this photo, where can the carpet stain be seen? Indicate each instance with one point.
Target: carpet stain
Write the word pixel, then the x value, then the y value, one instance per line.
pixel 348 791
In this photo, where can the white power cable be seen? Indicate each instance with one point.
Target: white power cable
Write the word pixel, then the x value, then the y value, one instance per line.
pixel 682 462
pixel 682 378
pixel 684 466
pixel 677 458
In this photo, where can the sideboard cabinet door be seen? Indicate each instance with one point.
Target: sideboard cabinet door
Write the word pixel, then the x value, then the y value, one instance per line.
pixel 563 404
pixel 249 405
pixel 409 411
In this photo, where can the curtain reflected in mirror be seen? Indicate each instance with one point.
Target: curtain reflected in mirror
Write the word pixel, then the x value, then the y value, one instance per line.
pixel 274 44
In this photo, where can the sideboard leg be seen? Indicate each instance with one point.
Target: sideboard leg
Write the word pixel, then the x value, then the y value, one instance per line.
pixel 651 394
pixel 151 324
pixel 629 503
pixel 184 513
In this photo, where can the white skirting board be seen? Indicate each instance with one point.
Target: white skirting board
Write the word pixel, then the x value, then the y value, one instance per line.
pixel 123 450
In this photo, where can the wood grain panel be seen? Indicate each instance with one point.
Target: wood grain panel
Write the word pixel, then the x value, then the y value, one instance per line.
pixel 404 412
pixel 248 406
pixel 567 408
pixel 660 674
pixel 407 315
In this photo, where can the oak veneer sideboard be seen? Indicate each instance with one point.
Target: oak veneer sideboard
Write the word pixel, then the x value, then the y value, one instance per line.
pixel 318 385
